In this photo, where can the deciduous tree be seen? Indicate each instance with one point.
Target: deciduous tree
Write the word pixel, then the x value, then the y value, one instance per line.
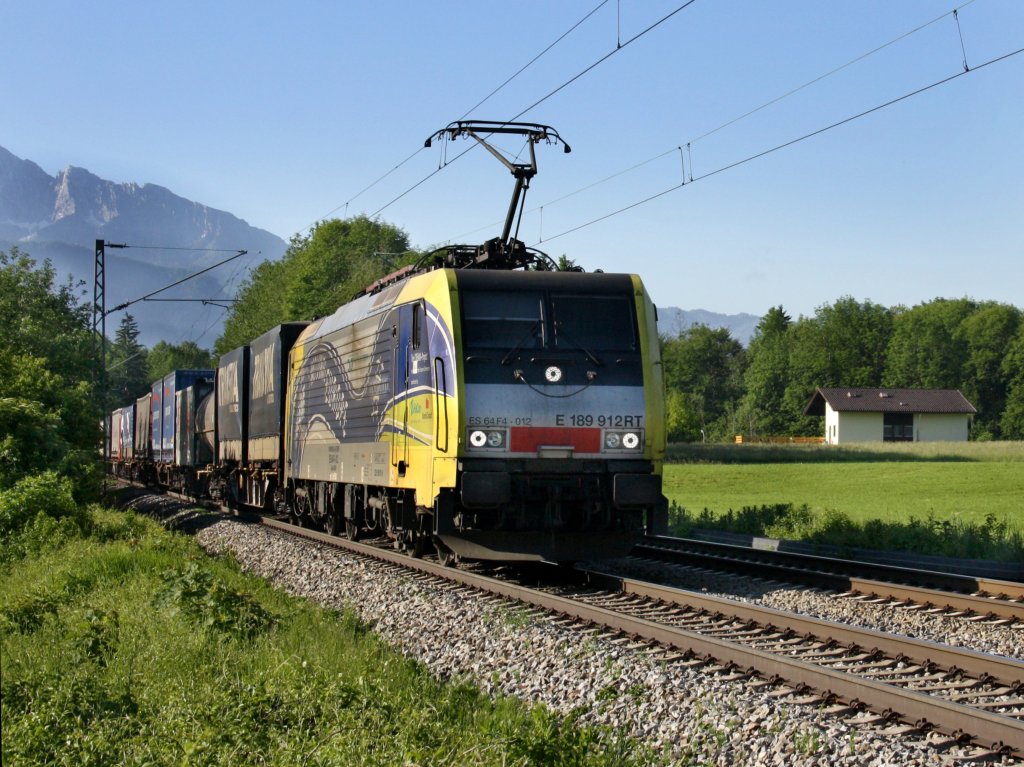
pixel 165 358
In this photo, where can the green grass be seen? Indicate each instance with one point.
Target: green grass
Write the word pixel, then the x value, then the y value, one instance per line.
pixel 948 452
pixel 971 492
pixel 127 645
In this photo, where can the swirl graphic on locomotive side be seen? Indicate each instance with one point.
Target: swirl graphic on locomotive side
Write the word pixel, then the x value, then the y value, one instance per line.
pixel 351 383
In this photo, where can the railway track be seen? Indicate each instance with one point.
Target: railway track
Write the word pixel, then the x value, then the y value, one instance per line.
pixel 868 677
pixel 872 677
pixel 980 599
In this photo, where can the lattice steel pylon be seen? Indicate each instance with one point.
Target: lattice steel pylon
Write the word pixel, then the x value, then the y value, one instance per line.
pixel 99 330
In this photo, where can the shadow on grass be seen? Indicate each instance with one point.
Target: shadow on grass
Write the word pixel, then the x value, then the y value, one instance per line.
pixel 172 513
pixel 992 540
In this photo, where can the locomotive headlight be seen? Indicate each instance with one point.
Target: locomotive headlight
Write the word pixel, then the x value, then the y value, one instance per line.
pixel 623 440
pixel 487 438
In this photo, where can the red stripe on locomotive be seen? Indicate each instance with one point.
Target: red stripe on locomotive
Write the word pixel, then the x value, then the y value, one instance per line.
pixel 526 439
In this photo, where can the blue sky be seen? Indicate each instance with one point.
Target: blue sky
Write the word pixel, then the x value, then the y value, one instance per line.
pixel 282 112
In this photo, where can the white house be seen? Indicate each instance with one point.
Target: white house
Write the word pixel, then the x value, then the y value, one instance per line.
pixel 892 415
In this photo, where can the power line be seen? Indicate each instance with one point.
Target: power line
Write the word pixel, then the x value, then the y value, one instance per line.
pixel 620 46
pixel 804 137
pixel 828 74
pixel 607 56
pixel 747 114
pixel 238 254
pixel 162 247
pixel 522 69
pixel 534 59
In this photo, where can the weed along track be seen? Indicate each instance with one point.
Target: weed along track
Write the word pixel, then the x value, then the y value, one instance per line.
pixel 719 683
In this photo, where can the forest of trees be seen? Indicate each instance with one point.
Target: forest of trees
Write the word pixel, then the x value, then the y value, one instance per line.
pixel 49 411
pixel 319 272
pixel 717 389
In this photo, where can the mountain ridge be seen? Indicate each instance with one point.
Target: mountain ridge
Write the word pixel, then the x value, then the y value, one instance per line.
pixel 60 217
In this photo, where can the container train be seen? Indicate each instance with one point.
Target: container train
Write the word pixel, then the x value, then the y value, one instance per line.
pixel 481 403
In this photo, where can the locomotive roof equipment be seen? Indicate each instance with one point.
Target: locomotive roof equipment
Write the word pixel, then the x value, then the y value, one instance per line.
pixel 502 252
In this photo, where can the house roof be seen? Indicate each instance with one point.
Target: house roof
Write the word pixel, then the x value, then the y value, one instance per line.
pixel 850 399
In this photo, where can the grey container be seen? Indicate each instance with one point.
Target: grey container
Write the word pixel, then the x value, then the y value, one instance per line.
pixel 268 390
pixel 232 398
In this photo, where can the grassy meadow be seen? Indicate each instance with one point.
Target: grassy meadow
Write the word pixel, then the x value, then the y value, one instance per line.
pixel 889 492
pixel 125 644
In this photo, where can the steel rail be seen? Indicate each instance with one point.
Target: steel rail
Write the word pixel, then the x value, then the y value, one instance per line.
pixel 992 730
pixel 973 595
pixel 1004 670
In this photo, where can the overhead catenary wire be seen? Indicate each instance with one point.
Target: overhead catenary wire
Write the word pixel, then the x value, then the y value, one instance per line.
pixel 538 102
pixel 786 144
pixel 413 154
pixel 749 113
pixel 126 304
pixel 528 64
pixel 480 103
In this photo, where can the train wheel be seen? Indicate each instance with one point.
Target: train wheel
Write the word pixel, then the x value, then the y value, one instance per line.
pixel 351 530
pixel 419 546
pixel 332 524
pixel 445 556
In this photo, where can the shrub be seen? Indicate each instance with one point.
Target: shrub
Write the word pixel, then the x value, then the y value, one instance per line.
pixel 993 539
pixel 210 604
pixel 47 495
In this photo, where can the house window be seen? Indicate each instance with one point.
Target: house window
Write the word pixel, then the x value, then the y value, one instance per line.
pixel 898 427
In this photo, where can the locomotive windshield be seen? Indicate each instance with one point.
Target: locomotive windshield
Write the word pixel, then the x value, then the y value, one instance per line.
pixel 502 320
pixel 526 320
pixel 593 322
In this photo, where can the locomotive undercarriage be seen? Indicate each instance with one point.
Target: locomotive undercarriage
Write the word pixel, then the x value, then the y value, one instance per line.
pixel 503 509
pixel 556 509
pixel 362 511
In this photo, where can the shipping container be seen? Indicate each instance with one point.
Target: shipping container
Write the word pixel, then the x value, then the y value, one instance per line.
pixel 128 432
pixel 189 447
pixel 114 436
pixel 232 397
pixel 267 390
pixel 171 385
pixel 143 426
pixel 156 412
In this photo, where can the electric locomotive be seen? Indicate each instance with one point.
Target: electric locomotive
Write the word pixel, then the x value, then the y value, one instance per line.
pixel 495 413
pixel 481 402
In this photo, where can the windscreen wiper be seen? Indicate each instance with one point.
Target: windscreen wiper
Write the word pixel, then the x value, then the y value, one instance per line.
pixel 530 333
pixel 559 333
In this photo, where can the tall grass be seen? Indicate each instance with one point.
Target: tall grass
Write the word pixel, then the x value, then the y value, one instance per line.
pixel 125 644
pixel 867 451
pixel 992 538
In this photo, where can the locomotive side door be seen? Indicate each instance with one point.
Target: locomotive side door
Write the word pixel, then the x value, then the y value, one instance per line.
pixel 404 331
